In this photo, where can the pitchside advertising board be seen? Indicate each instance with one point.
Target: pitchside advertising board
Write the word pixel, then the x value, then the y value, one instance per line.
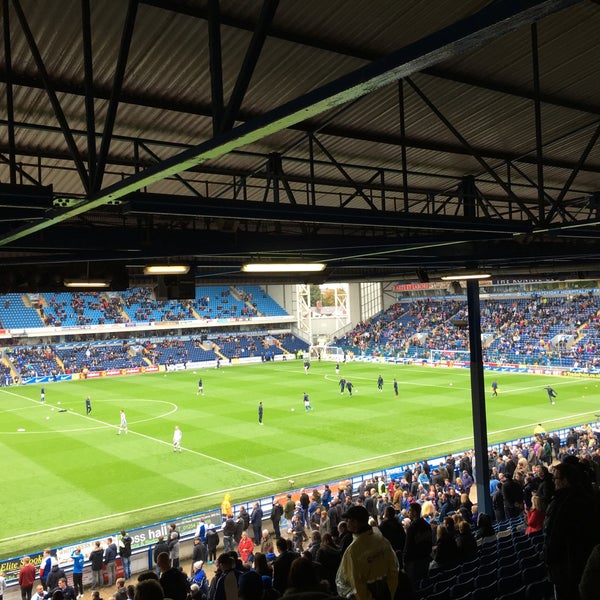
pixel 144 538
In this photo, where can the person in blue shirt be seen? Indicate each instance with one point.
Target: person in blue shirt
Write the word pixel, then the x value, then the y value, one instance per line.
pixel 88 410
pixel 494 388
pixel 380 383
pixel 78 561
pixel 342 385
pixel 260 413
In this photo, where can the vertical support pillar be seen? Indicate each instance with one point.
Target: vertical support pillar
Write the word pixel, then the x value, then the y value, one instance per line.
pixel 481 472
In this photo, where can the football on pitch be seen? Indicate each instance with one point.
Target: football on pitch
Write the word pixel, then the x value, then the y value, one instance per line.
pixel 293 409
pixel 47 418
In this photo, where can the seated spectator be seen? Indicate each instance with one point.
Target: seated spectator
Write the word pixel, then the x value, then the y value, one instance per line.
pixel 466 543
pixel 485 529
pixel 535 516
pixel 445 551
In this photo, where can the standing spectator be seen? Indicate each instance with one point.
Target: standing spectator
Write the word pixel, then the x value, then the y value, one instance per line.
pixel 212 542
pixel 570 534
pixel 110 557
pixel 282 565
pixel 393 531
pixel 417 549
pixel 68 593
pixel 174 546
pixel 78 561
pixel 276 514
pixel 161 546
pixel 56 573
pixel 125 553
pixel 226 584
pixel 3 586
pixel 198 554
pixel 26 578
pixel 173 581
pixel 46 566
pixel 96 558
pixel 245 548
pixel 535 516
pixel 256 520
pixel 228 530
pixel 369 567
pixel 329 557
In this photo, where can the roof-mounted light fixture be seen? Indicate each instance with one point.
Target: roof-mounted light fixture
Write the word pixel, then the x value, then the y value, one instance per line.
pixel 283 267
pixel 166 269
pixel 465 276
pixel 87 283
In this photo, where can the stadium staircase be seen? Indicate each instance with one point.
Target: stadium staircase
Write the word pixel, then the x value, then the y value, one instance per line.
pixel 13 371
pixel 218 352
pixel 282 348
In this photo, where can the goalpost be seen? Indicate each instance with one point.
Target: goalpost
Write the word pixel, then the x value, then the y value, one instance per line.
pixel 331 353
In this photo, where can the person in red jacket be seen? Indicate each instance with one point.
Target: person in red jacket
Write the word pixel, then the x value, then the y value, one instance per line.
pixel 26 578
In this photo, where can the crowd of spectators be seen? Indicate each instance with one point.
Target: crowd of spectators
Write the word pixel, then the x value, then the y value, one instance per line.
pixel 549 330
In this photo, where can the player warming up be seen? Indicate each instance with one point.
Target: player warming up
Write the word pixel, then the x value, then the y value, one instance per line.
pixel 177 435
pixel 307 405
pixel 337 368
pixel 395 387
pixel 551 394
pixel 42 395
pixel 380 383
pixel 122 422
pixel 200 388
pixel 88 406
pixel 260 413
pixel 342 386
pixel 349 387
pixel 306 366
pixel 494 388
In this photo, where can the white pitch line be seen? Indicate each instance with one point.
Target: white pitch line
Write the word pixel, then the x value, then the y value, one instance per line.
pixel 273 480
pixel 153 439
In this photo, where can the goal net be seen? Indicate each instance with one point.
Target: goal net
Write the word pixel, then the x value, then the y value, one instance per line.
pixel 333 353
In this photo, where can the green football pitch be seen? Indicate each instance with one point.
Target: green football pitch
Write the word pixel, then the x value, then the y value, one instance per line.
pixel 69 476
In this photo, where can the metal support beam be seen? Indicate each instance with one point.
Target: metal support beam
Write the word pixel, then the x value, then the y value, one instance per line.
pixel 250 59
pixel 472 32
pixel 215 64
pixel 539 148
pixel 404 162
pixel 482 476
pixel 113 105
pixel 345 174
pixel 10 113
pixel 52 97
pixel 468 146
pixel 88 67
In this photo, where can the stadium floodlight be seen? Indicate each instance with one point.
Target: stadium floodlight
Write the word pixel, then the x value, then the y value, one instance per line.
pixel 166 269
pixel 86 283
pixel 283 267
pixel 465 276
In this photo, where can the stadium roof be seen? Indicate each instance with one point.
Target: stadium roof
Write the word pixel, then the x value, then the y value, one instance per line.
pixel 390 140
